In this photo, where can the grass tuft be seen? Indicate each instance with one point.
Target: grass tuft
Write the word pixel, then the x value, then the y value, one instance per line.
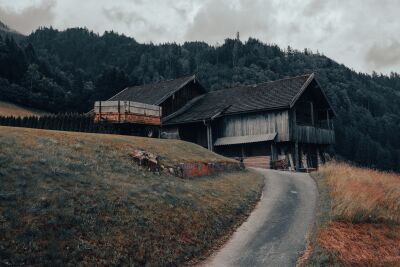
pixel 363 195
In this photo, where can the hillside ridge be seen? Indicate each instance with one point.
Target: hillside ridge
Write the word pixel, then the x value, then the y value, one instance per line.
pixel 66 71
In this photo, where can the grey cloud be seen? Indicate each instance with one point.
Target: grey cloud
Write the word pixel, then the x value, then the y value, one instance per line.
pixel 140 25
pixel 315 7
pixel 30 17
pixel 219 19
pixel 115 14
pixel 180 11
pixel 383 56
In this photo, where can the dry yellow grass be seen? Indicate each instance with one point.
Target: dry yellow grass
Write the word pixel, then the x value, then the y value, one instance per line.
pixel 359 217
pixel 363 195
pixel 362 244
pixel 9 109
pixel 77 199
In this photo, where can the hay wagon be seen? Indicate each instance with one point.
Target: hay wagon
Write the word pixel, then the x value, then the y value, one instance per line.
pixel 130 117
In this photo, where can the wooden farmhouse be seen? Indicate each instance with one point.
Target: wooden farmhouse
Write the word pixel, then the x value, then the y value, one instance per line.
pixel 285 124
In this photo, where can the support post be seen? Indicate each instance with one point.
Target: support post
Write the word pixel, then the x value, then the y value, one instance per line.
pixel 119 111
pixel 273 152
pixel 209 137
pixel 327 119
pixel 296 142
pixel 296 155
pixel 99 111
pixel 312 113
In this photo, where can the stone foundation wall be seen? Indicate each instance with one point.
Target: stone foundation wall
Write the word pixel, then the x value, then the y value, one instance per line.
pixel 184 170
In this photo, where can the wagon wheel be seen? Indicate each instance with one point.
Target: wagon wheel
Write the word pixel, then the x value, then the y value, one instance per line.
pixel 149 132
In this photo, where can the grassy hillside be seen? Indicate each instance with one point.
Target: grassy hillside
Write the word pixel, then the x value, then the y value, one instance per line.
pixel 78 199
pixel 9 109
pixel 359 216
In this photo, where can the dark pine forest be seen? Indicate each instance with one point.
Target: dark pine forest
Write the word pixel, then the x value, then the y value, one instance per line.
pixel 66 71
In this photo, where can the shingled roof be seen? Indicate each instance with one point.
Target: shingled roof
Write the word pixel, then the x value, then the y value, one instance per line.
pixel 153 94
pixel 264 96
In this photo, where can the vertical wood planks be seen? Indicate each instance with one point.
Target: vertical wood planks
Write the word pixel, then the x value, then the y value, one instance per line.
pixel 257 123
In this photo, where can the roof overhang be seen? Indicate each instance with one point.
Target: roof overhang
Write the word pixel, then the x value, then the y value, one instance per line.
pixel 193 78
pixel 223 114
pixel 304 88
pixel 234 140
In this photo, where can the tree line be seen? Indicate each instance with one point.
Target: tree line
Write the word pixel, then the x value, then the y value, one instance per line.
pixel 66 71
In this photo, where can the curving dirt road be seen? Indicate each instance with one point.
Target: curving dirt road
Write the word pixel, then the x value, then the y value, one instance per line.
pixel 275 233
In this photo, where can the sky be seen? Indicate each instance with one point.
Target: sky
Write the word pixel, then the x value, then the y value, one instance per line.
pixel 362 34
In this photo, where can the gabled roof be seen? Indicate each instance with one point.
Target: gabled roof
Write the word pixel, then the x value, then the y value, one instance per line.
pixel 153 94
pixel 280 94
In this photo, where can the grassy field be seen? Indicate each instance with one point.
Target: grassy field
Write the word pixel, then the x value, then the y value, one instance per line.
pixel 78 199
pixel 9 109
pixel 359 217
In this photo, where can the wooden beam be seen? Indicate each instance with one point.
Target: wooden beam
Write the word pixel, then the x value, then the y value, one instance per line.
pixel 99 110
pixel 312 113
pixel 296 155
pixel 273 151
pixel 209 137
pixel 119 111
pixel 327 119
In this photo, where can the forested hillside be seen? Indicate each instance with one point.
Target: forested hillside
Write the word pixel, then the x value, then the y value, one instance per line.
pixel 63 71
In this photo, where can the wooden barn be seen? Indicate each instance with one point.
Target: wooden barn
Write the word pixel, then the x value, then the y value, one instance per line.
pixel 285 124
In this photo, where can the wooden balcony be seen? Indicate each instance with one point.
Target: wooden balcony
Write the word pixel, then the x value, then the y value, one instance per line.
pixel 313 135
pixel 127 112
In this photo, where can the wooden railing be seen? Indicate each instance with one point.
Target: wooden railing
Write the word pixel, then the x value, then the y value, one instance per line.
pixel 313 135
pixel 127 112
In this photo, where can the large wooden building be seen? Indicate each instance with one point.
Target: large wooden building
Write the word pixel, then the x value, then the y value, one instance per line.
pixel 286 123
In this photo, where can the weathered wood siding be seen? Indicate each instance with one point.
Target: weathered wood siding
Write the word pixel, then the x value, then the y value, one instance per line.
pixel 255 124
pixel 313 135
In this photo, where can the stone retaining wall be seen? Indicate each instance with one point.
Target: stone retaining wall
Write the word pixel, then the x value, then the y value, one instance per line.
pixel 184 170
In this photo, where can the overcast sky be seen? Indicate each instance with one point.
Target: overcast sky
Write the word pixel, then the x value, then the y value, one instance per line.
pixel 363 34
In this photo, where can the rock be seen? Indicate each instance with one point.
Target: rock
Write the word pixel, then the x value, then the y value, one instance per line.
pixel 146 159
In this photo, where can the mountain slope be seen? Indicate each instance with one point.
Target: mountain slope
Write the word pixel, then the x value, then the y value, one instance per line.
pixel 7 31
pixel 68 70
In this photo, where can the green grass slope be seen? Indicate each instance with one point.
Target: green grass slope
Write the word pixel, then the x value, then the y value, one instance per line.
pixel 78 199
